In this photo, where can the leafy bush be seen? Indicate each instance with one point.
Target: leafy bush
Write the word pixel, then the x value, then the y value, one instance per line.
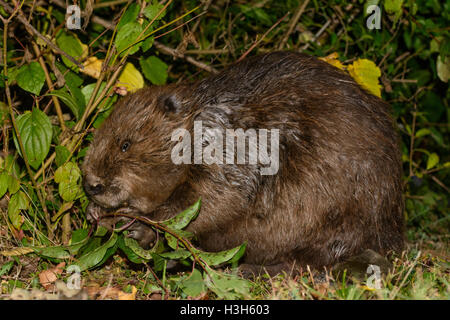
pixel 58 85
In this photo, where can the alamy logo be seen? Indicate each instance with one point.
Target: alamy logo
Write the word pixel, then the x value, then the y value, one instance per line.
pixel 74 281
pixel 374 281
pixel 74 20
pixel 209 147
pixel 374 20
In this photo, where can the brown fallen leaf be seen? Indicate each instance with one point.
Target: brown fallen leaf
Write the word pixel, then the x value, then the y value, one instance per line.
pixel 156 296
pixel 100 293
pixel 49 276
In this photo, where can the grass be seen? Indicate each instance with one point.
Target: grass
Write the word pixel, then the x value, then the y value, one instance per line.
pixel 422 271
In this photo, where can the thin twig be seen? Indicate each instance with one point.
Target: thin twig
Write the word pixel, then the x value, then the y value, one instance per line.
pixel 109 3
pixel 411 145
pixel 32 30
pixel 187 244
pixel 263 36
pixel 397 289
pixel 316 36
pixel 161 47
pixel 174 53
pixel 180 26
pixel 293 23
pixel 50 86
pixel 16 129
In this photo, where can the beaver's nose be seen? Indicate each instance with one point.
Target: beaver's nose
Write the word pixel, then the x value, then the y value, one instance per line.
pixel 93 190
pixel 93 186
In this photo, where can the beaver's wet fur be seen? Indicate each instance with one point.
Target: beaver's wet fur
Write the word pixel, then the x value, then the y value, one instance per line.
pixel 337 191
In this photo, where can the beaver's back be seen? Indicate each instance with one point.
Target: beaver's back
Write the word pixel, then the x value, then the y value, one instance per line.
pixel 338 188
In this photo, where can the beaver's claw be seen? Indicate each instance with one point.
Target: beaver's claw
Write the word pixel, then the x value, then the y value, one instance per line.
pixel 142 233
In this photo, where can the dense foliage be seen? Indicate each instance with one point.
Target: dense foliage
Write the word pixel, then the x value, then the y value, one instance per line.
pixel 57 85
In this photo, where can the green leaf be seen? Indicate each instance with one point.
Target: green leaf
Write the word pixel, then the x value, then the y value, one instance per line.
pixel 36 132
pixel 89 89
pixel 3 183
pixel 11 166
pixel 72 79
pixel 257 14
pixel 422 132
pixel 4 113
pixel 100 232
pixel 95 257
pixel 179 254
pixel 154 69
pixel 147 43
pixel 433 160
pixel 31 78
pixel 217 258
pixel 56 252
pixel 76 246
pixel 433 106
pixel 69 172
pixel 193 284
pixel 79 235
pixel 71 45
pixel 68 100
pixel 62 155
pixel 131 255
pixel 134 246
pixel 152 11
pixel 109 252
pixel 394 7
pixel 130 15
pixel 12 74
pixel 227 286
pixel 18 202
pixel 126 36
pixel 4 270
pixel 182 219
pixel 443 68
pixel 67 176
pixel 13 184
pixel 69 191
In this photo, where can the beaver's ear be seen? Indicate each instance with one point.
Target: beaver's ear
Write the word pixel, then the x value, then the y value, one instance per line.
pixel 169 103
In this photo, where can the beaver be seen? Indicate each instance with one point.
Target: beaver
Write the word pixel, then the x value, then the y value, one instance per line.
pixel 336 190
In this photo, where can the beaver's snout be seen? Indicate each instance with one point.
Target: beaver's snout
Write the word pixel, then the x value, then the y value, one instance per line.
pixel 93 185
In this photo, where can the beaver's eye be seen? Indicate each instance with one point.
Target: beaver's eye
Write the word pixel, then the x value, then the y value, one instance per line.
pixel 125 146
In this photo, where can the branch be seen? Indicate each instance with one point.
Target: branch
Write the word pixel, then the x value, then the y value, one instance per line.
pixel 161 47
pixel 293 23
pixel 254 45
pixel 32 30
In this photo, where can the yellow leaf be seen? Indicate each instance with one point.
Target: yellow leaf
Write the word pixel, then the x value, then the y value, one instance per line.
pixel 443 68
pixel 368 288
pixel 92 67
pixel 433 160
pixel 366 73
pixel 16 252
pixel 128 296
pixel 85 50
pixel 333 60
pixel 130 78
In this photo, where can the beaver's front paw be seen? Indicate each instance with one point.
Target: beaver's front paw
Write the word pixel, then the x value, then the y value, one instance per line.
pixel 94 212
pixel 144 234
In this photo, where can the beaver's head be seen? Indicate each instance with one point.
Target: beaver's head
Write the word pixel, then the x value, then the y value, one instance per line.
pixel 128 163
